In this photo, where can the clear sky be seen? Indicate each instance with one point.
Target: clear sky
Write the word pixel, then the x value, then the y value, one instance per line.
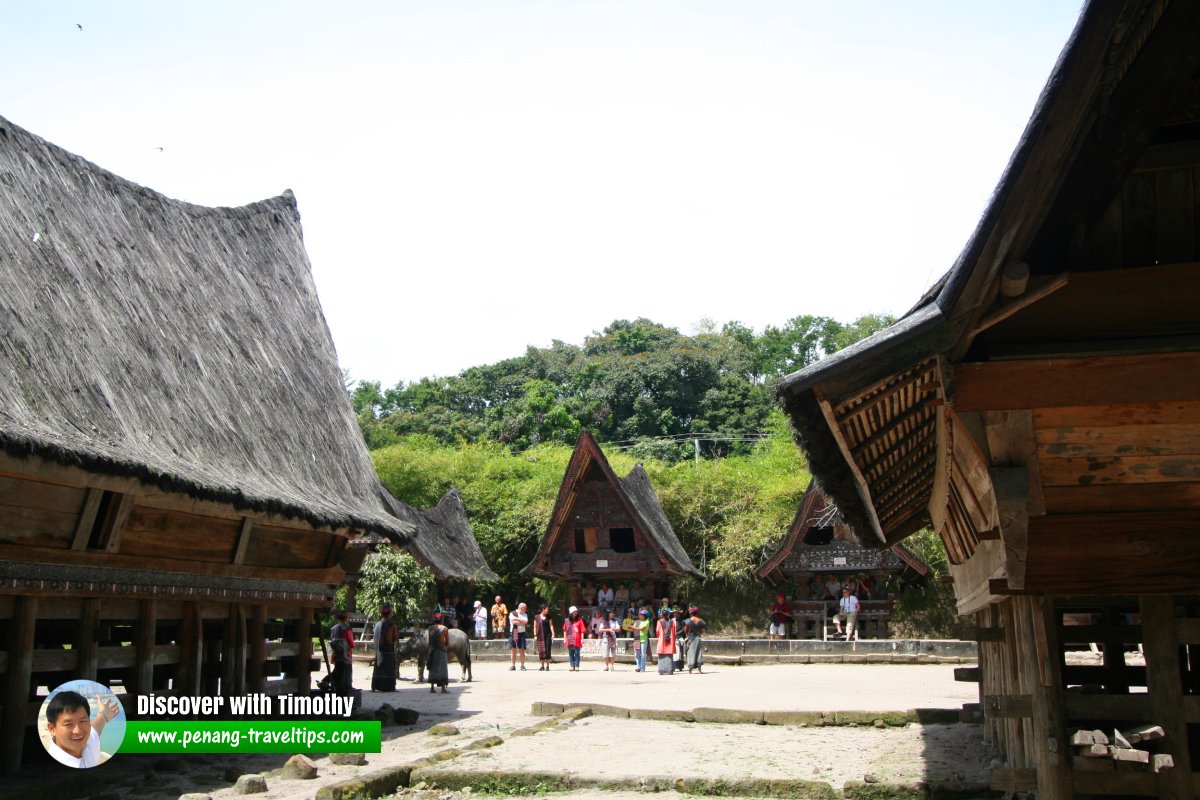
pixel 476 176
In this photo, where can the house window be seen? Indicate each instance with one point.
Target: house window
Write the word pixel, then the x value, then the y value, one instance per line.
pixel 622 540
pixel 585 540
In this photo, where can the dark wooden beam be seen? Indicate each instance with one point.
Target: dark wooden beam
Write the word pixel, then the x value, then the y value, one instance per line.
pixel 87 518
pixel 1121 553
pixel 17 683
pixel 1049 383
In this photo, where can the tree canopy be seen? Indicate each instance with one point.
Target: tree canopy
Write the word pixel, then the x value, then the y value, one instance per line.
pixel 635 380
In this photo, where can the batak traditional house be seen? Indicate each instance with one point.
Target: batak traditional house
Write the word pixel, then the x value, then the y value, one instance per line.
pixel 179 466
pixel 1040 408
pixel 820 544
pixel 606 529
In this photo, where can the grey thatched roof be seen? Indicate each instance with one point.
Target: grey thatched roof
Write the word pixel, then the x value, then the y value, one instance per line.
pixel 444 540
pixel 640 495
pixel 177 344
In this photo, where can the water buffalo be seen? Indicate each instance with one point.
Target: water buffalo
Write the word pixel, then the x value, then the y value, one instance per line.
pixel 418 647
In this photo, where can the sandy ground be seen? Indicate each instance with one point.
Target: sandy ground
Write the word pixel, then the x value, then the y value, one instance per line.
pixel 499 701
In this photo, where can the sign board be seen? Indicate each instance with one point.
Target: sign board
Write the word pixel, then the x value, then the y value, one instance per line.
pixel 840 561
pixel 601 563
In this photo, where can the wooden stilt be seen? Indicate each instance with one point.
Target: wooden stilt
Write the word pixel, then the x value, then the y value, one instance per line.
pixel 1042 675
pixel 190 651
pixel 147 626
pixel 256 668
pixel 1164 684
pixel 304 634
pixel 86 646
pixel 17 689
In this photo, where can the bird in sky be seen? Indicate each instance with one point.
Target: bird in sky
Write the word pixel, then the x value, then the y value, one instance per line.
pixel 159 149
pixel 77 25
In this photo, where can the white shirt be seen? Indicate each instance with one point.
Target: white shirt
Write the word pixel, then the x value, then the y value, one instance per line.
pixel 849 604
pixel 605 598
pixel 519 620
pixel 89 758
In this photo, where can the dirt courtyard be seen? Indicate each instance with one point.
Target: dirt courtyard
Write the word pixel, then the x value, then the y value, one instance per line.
pixel 498 702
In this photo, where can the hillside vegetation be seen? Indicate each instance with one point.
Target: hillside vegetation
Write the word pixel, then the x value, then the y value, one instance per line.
pixel 697 411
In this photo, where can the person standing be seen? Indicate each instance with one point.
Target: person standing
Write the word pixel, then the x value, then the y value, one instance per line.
pixel 641 634
pixel 666 642
pixel 480 616
pixel 680 638
pixel 694 627
pixel 383 677
pixel 499 618
pixel 341 641
pixel 437 659
pixel 518 620
pixel 847 612
pixel 543 634
pixel 781 615
pixel 608 631
pixel 574 630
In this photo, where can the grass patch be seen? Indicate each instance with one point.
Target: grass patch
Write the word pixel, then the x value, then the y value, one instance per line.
pixel 512 786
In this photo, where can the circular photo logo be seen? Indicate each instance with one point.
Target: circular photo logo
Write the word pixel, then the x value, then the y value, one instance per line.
pixel 81 723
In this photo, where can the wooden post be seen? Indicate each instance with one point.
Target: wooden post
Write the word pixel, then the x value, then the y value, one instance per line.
pixel 233 653
pixel 147 625
pixel 1165 687
pixel 17 688
pixel 304 650
pixel 1115 679
pixel 1051 755
pixel 256 669
pixel 191 634
pixel 85 642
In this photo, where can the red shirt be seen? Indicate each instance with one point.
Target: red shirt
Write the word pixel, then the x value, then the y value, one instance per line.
pixel 573 632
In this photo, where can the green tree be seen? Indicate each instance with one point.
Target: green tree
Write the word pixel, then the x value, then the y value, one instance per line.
pixel 393 576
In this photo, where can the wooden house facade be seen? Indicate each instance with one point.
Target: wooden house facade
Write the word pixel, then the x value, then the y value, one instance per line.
pixel 1040 408
pixel 606 529
pixel 180 470
pixel 818 546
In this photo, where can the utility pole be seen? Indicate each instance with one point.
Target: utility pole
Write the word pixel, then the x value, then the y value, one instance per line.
pixel 696 444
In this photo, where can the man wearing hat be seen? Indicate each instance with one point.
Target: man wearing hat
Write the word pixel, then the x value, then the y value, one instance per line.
pixel 383 678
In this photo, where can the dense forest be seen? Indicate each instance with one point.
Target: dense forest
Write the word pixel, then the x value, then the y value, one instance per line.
pixel 697 411
pixel 634 383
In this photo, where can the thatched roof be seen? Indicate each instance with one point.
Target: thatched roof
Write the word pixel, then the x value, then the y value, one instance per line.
pixel 1127 71
pixel 177 344
pixel 635 493
pixel 444 541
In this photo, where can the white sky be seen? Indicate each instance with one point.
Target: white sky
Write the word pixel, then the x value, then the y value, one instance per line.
pixel 479 176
